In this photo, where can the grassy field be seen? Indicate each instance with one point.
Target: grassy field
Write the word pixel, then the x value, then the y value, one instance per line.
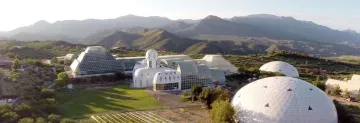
pixel 81 104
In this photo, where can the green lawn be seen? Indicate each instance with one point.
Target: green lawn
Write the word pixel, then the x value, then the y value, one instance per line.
pixel 83 103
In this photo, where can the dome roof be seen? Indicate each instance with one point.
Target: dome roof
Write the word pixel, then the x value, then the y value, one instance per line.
pixel 151 54
pixel 283 100
pixel 281 67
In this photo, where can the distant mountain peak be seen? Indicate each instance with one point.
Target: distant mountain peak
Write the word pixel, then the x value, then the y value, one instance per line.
pixel 212 17
pixel 264 15
pixel 41 22
pixel 351 31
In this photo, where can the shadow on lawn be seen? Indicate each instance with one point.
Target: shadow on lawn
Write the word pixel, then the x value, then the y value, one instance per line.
pixel 79 104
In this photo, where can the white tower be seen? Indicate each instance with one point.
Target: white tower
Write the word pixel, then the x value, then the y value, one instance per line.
pixel 151 58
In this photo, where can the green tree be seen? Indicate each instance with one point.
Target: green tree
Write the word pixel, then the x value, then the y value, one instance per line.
pixel 207 96
pixel 60 83
pixel 15 65
pixel 63 76
pixel 10 55
pixel 320 85
pixel 10 116
pixel 62 79
pixel 241 70
pixel 195 91
pixel 24 110
pixel 222 111
pixel 185 96
pixel 40 120
pixel 47 93
pixel 54 118
pixel 26 120
pixel 222 93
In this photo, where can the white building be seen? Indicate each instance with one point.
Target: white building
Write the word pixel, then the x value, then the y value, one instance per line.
pixel 283 100
pixel 151 74
pixel 352 85
pixel 163 72
pixel 281 67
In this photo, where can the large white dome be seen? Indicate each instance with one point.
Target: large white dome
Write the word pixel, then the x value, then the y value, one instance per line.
pixel 283 100
pixel 281 67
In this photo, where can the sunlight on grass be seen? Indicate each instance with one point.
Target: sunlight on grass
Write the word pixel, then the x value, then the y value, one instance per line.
pixel 83 103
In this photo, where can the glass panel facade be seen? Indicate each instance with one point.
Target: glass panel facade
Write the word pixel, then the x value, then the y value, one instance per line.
pixel 97 63
pixel 168 86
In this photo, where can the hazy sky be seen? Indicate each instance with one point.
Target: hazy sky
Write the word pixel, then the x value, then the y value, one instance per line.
pixel 337 14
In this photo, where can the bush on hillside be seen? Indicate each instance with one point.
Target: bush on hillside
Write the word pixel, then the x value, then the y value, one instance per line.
pixel 47 93
pixel 26 120
pixel 195 91
pixel 10 55
pixel 222 112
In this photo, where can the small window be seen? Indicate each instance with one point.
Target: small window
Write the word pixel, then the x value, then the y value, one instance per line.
pixel 289 89
pixel 267 105
pixel 265 86
pixel 310 108
pixel 310 89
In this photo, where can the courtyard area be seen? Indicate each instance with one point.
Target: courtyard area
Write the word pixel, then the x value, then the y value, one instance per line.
pixel 84 103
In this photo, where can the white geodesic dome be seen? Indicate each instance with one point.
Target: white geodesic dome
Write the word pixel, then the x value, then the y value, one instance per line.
pixel 281 67
pixel 283 100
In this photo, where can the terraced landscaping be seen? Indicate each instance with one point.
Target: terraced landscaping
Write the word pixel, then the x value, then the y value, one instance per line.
pixel 130 117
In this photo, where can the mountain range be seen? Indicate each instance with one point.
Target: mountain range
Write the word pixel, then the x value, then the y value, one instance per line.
pixel 212 34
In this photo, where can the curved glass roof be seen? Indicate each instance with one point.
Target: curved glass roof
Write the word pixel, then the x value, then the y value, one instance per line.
pixel 204 71
pixel 186 67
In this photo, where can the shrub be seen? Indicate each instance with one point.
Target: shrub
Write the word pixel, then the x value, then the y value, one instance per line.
pixel 320 85
pixel 346 94
pixel 24 110
pixel 40 120
pixel 54 118
pixel 15 65
pixel 334 91
pixel 9 116
pixel 60 83
pixel 26 120
pixel 222 111
pixel 207 96
pixel 10 55
pixel 185 96
pixel 63 76
pixel 47 93
pixel 195 91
